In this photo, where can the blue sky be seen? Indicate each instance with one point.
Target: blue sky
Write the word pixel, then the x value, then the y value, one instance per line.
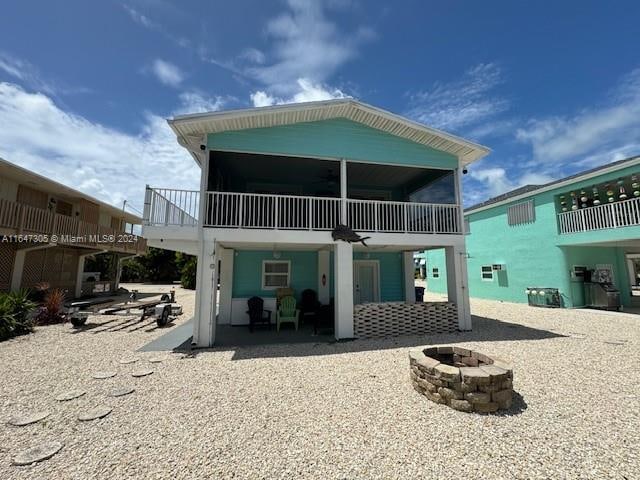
pixel 551 87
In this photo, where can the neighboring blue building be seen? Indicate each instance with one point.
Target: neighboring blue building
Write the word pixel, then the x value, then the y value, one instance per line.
pixel 542 238
pixel 277 180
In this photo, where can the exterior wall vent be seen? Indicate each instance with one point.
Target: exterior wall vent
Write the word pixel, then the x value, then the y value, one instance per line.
pixel 521 213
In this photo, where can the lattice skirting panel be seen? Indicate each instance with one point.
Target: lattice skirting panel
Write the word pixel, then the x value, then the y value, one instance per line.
pixel 375 320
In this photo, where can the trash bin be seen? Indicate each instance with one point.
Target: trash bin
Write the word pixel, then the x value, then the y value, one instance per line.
pixel 419 294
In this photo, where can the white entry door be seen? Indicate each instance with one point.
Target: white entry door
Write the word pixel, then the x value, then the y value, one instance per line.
pixel 366 281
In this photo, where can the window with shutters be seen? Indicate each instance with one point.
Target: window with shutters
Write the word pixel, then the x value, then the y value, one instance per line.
pixel 521 213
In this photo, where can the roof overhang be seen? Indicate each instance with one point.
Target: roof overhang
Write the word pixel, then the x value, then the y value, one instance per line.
pixel 191 130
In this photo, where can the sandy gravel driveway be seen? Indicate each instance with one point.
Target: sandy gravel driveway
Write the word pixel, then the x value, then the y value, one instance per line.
pixel 330 410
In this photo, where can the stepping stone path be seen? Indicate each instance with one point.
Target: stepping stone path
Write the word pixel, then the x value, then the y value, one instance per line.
pixel 127 361
pixel 28 419
pixel 121 392
pixel 141 373
pixel 103 375
pixel 70 395
pixel 94 414
pixel 38 453
pixel 156 360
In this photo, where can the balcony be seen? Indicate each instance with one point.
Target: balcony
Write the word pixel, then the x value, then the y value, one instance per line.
pixel 21 219
pixel 164 207
pixel 611 215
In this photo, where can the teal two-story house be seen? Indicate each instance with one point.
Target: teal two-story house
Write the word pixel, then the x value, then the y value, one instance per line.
pixel 574 242
pixel 276 183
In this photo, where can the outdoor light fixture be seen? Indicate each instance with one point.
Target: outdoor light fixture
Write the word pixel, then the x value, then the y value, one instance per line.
pixel 464 171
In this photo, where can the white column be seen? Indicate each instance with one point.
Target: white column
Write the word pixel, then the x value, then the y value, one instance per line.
pixel 408 266
pixel 324 294
pixel 206 296
pixel 343 191
pixel 226 284
pixel 343 270
pixel 18 265
pixel 205 308
pixel 79 272
pixel 457 284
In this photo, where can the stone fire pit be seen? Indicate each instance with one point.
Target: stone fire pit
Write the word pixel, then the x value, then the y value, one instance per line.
pixel 462 379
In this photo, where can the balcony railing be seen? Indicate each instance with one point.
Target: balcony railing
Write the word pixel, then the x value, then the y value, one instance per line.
pixel 163 206
pixel 23 219
pixel 289 212
pixel 610 215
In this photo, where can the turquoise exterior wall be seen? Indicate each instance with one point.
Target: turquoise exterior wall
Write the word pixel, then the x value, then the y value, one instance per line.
pixel 535 254
pixel 337 138
pixel 391 274
pixel 247 272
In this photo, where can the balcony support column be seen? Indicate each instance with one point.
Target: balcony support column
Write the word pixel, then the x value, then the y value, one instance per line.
pixel 343 285
pixel 457 284
pixel 207 269
pixel 343 191
pixel 409 268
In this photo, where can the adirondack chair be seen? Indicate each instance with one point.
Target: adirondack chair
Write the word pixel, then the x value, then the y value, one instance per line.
pixel 257 314
pixel 287 312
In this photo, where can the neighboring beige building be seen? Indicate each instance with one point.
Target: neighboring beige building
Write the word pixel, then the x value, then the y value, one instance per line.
pixel 48 229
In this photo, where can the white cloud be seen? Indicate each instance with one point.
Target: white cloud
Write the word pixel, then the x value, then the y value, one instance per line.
pixel 13 66
pixel 307 92
pixel 101 161
pixel 262 99
pixel 462 103
pixel 28 74
pixel 253 55
pixel 307 48
pixel 140 18
pixel 494 178
pixel 196 102
pixel 167 73
pixel 608 132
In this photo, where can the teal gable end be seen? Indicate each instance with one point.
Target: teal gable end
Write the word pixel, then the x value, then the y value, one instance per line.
pixel 337 138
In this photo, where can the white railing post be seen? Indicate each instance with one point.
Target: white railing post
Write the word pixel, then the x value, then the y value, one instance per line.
pixel 406 217
pixel 276 212
pixel 614 220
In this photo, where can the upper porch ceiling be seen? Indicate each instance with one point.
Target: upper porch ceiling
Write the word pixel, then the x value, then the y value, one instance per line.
pixel 190 129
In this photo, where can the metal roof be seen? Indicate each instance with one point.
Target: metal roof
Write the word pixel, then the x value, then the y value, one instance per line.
pixel 19 174
pixel 191 128
pixel 527 190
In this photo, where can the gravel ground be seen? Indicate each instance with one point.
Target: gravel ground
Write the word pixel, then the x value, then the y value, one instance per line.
pixel 330 410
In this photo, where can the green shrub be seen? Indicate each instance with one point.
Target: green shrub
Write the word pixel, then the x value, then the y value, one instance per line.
pixel 15 314
pixel 188 273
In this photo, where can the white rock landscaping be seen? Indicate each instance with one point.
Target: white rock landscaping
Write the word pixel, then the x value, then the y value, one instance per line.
pixel 104 375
